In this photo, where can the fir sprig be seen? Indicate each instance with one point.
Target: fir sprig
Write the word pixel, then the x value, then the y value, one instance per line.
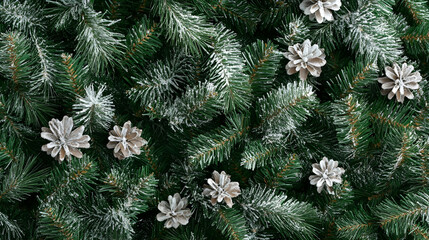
pixel 216 146
pixel 279 211
pixel 226 68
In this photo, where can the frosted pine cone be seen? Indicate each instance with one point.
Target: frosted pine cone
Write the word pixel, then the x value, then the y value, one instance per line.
pixel 399 81
pixel 174 211
pixel 305 58
pixel 221 188
pixel 320 9
pixel 125 141
pixel 64 141
pixel 327 172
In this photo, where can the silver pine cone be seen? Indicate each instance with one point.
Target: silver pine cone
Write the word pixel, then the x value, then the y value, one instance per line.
pixel 64 141
pixel 327 173
pixel 305 58
pixel 125 141
pixel 399 81
pixel 220 188
pixel 320 9
pixel 174 211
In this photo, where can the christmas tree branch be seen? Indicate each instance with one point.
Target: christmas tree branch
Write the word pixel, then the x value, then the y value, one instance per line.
pixel 262 60
pixel 216 146
pixel 226 72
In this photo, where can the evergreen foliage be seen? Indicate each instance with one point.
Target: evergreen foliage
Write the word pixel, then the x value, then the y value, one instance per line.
pixel 288 216
pixel 226 71
pixel 206 83
pixel 94 111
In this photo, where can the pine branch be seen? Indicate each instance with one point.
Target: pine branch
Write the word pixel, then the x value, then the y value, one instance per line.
pixel 74 72
pixel 226 72
pixel 399 22
pixel 231 223
pixel 94 111
pixel 198 105
pixel 78 176
pixel 198 231
pixel 288 216
pixel 125 10
pixel 353 124
pixel 285 108
pixel 371 36
pixel 420 231
pixel 182 27
pixel 398 219
pixel 30 107
pixel 387 113
pixel 6 155
pixel 140 192
pixel 26 16
pixel 417 10
pixel 9 229
pixel 56 223
pixel 45 78
pixel 356 224
pixel 216 146
pixel 16 63
pixel 407 149
pixel 421 122
pixel 323 36
pixel 402 159
pixel 64 12
pixel 284 171
pixel 416 39
pixel 239 14
pixel 159 80
pixel 257 154
pixel 133 188
pixel 314 139
pixel 10 125
pixel 112 8
pixel 156 110
pixel 424 164
pixel 151 159
pixel 96 43
pixel 114 182
pixel 10 151
pixel 293 30
pixel 14 55
pixel 22 179
pixel 98 219
pixel 383 8
pixel 344 198
pixel 262 61
pixel 354 79
pixel 142 41
pixel 272 13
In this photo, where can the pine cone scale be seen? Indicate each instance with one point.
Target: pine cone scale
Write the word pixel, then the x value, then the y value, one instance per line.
pixel 75 152
pixel 48 136
pixel 84 144
pixel 77 133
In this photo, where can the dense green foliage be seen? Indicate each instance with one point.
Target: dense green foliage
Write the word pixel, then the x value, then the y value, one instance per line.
pixel 206 82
